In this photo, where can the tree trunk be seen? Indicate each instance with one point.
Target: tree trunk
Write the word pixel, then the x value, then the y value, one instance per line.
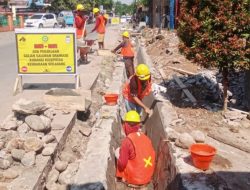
pixel 225 88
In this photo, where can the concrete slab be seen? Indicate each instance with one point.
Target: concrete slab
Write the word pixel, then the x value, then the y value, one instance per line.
pixel 67 99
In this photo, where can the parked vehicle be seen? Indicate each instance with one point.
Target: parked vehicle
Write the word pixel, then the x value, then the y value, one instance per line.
pixel 42 20
pixel 123 19
pixel 65 18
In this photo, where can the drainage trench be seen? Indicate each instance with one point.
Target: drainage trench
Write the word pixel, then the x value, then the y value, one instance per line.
pixel 66 165
pixel 166 174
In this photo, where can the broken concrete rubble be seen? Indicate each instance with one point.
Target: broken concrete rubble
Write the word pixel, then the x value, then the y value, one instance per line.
pixel 27 107
pixel 35 123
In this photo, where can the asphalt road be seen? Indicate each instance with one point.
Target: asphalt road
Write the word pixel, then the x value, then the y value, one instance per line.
pixel 8 71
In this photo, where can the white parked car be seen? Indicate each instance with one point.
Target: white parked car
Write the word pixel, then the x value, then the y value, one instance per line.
pixel 41 20
pixel 123 19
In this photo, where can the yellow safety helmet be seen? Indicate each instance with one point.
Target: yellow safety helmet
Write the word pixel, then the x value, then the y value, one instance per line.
pixel 96 10
pixel 142 72
pixel 79 7
pixel 125 34
pixel 132 116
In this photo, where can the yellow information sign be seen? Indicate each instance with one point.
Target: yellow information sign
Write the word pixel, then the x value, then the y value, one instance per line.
pixel 46 53
pixel 115 20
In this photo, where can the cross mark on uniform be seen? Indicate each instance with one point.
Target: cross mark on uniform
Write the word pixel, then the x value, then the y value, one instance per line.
pixel 148 162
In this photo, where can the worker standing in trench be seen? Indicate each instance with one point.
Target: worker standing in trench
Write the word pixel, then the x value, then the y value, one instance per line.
pixel 136 88
pixel 127 52
pixel 136 156
pixel 100 27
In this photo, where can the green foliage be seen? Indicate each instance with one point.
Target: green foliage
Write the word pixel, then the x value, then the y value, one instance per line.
pixel 216 33
pixel 59 5
pixel 123 9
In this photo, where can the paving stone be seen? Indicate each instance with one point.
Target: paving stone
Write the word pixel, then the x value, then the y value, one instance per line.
pixel 9 125
pixel 48 138
pixel 67 157
pixel 46 121
pixel 33 144
pixel 15 143
pixel 29 159
pixel 53 176
pixel 35 123
pixel 198 136
pixel 10 174
pixel 48 150
pixel 17 154
pixel 4 164
pixel 184 141
pixel 23 129
pixel 28 107
pixel 66 177
pixel 61 165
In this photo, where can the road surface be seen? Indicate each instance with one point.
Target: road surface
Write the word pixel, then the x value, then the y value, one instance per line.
pixel 8 72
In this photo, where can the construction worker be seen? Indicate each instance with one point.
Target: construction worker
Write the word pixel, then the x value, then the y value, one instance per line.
pixel 127 52
pixel 80 22
pixel 136 88
pixel 136 156
pixel 100 26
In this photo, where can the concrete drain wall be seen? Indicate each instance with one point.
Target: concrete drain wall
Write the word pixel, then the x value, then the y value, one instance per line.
pixel 97 169
pixel 166 174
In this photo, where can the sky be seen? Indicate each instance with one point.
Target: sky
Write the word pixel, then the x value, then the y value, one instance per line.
pixel 127 1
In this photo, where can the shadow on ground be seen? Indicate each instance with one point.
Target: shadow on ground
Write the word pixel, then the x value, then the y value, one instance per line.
pixel 47 86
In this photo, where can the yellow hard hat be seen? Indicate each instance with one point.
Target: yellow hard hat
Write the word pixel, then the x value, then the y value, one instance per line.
pixel 96 10
pixel 132 116
pixel 142 72
pixel 125 34
pixel 79 7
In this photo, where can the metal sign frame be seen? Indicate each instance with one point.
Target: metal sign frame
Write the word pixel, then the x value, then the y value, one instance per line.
pixel 72 31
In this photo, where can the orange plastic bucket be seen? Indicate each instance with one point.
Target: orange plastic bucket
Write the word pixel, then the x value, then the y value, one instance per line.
pixel 202 155
pixel 111 99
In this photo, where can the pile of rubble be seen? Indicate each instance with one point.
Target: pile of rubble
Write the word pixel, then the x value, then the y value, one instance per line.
pixel 207 86
pixel 24 135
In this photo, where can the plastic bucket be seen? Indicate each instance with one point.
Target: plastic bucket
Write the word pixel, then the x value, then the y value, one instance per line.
pixel 111 99
pixel 202 155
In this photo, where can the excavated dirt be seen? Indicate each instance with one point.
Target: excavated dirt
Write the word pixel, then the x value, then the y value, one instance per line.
pixel 231 128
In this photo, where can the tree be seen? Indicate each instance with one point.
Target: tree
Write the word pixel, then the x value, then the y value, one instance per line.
pixel 216 34
pixel 122 9
pixel 59 5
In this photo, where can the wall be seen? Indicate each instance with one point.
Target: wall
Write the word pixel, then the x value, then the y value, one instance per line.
pixel 166 174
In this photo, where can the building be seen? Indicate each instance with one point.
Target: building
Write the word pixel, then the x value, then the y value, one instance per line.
pixel 165 12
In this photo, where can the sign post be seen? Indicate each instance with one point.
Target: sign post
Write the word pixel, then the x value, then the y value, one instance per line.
pixel 46 52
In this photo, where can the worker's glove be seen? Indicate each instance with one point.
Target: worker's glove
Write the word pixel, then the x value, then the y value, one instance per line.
pixel 149 112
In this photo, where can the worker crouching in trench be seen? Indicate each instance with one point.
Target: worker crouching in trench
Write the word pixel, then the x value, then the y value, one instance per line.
pixel 136 88
pixel 136 156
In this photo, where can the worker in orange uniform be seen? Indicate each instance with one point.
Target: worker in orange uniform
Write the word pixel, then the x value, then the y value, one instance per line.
pixel 136 156
pixel 136 88
pixel 81 33
pixel 127 52
pixel 80 22
pixel 100 27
